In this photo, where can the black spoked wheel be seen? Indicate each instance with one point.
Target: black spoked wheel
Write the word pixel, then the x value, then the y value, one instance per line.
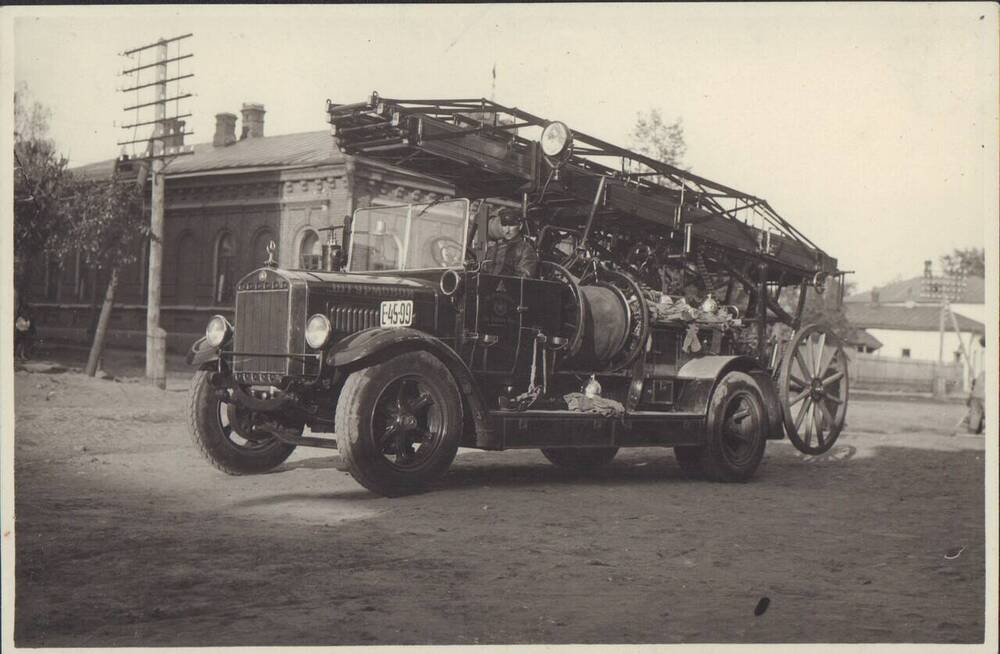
pixel 580 459
pixel 398 423
pixel 224 433
pixel 736 430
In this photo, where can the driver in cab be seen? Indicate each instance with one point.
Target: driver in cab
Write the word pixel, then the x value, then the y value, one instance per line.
pixel 509 252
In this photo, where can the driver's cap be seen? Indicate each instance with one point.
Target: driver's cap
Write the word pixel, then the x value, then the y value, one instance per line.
pixel 509 216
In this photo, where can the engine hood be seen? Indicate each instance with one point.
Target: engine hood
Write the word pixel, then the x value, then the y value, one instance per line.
pixel 393 285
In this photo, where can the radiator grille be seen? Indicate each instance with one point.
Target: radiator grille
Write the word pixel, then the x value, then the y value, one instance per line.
pixel 348 320
pixel 261 329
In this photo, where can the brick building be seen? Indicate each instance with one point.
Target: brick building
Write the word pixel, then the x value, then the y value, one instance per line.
pixel 224 203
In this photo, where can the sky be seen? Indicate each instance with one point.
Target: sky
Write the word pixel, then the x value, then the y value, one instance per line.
pixel 872 128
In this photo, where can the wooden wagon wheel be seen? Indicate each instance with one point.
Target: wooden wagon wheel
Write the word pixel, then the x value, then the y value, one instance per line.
pixel 813 387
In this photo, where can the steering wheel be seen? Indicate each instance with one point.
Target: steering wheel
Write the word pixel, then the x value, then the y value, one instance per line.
pixel 447 252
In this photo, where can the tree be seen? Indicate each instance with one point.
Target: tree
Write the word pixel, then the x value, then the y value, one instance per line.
pixel 104 223
pixel 658 140
pixel 970 262
pixel 40 179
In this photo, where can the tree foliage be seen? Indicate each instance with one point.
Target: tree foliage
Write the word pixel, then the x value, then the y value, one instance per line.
pixel 40 179
pixel 970 262
pixel 657 139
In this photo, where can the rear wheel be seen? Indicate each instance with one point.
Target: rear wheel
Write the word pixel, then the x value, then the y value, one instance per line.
pixel 580 459
pixel 224 434
pixel 398 423
pixel 736 430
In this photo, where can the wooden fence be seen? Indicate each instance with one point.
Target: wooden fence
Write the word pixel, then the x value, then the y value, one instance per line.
pixel 872 372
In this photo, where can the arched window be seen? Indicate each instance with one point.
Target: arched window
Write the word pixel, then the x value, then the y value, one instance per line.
pixel 186 273
pixel 225 266
pixel 310 251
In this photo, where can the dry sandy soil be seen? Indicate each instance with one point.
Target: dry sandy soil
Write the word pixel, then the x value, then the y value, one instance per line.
pixel 124 536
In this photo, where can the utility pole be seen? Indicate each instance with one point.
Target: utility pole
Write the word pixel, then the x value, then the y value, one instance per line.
pixel 164 127
pixel 946 289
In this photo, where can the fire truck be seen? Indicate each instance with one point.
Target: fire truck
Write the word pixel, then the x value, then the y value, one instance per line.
pixel 666 311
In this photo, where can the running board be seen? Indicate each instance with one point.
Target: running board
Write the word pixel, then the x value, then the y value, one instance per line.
pixel 534 429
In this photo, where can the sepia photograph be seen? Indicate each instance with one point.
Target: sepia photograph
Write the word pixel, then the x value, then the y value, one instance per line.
pixel 500 326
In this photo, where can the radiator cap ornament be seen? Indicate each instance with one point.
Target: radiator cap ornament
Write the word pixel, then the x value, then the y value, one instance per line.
pixel 271 247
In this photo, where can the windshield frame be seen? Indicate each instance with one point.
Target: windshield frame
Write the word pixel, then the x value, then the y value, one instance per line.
pixel 407 233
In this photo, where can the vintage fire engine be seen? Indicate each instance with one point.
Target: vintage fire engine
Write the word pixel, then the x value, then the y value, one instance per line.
pixel 666 312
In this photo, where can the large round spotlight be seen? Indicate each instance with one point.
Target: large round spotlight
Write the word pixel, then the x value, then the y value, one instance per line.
pixel 317 331
pixel 556 140
pixel 217 331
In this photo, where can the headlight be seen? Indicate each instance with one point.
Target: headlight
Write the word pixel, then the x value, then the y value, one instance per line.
pixel 22 324
pixel 317 331
pixel 217 330
pixel 556 139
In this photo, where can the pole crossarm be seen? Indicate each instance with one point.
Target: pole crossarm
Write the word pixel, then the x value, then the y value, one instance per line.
pixel 157 83
pixel 156 102
pixel 157 43
pixel 158 63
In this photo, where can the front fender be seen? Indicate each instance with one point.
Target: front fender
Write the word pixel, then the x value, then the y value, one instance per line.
pixel 202 353
pixel 379 341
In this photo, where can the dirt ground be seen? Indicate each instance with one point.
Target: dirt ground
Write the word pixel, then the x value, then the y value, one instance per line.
pixel 126 537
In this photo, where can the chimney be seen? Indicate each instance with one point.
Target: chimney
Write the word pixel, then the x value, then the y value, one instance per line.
pixel 253 120
pixel 927 268
pixel 225 130
pixel 875 296
pixel 173 133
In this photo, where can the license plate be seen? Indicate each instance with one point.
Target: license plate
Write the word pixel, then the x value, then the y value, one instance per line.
pixel 398 313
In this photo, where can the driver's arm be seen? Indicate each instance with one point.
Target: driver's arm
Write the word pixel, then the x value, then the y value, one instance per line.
pixel 527 260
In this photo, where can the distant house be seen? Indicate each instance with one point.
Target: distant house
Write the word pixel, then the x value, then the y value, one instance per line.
pixel 909 326
pixel 971 303
pixel 224 204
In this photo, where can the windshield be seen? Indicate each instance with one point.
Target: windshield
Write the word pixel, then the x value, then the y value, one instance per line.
pixel 409 237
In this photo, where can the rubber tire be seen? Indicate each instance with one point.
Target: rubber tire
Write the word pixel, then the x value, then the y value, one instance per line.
pixel 352 424
pixel 211 440
pixel 714 462
pixel 584 459
pixel 689 460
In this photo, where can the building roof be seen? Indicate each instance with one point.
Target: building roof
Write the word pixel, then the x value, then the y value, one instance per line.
pixel 921 317
pixel 862 337
pixel 910 290
pixel 302 149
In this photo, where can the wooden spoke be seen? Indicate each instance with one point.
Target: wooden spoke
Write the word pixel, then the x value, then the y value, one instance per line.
pixel 828 360
pixel 798 398
pixel 833 398
pixel 802 413
pixel 810 364
pixel 810 421
pixel 796 381
pixel 833 378
pixel 802 364
pixel 818 358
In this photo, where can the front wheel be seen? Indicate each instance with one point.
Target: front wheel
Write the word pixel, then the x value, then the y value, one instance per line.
pixel 399 423
pixel 224 434
pixel 582 459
